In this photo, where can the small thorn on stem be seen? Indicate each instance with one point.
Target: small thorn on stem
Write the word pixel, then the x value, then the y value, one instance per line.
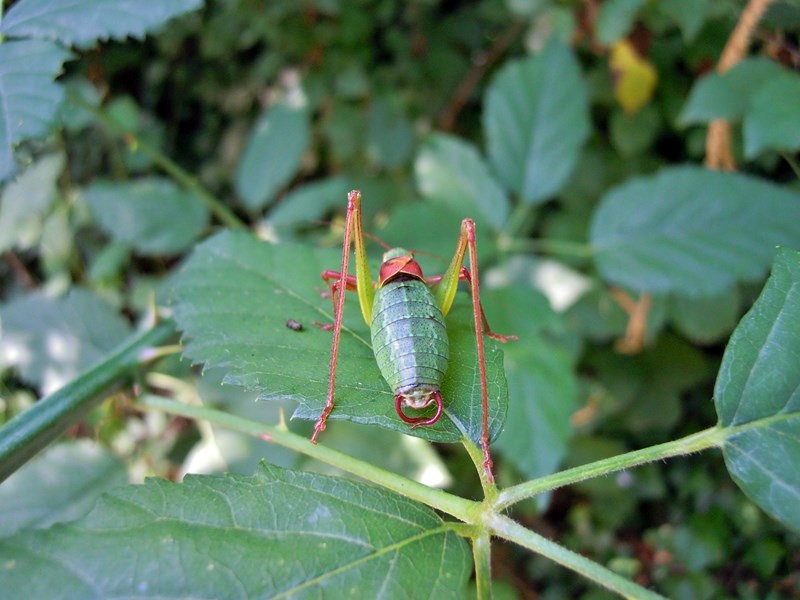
pixel 323 326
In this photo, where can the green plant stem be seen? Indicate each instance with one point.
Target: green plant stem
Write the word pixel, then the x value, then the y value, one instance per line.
pixel 188 181
pixel 448 503
pixel 482 557
pixel 510 530
pixel 27 433
pixel 518 221
pixel 476 456
pixel 708 438
pixel 170 167
pixel 484 516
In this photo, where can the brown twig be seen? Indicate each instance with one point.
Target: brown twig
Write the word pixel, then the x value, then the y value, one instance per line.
pixel 20 270
pixel 718 138
pixel 480 65
pixel 633 340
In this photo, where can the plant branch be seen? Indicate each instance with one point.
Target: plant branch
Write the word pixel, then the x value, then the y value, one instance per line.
pixel 482 557
pixel 708 438
pixel 459 508
pixel 170 167
pixel 509 530
pixel 29 432
pixel 718 137
pixel 476 456
pixel 481 64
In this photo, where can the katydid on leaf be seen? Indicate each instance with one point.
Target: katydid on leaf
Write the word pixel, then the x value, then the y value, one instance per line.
pixel 405 312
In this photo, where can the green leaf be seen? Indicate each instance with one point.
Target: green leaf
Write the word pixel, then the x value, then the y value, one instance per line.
pixel 757 395
pixel 27 200
pixel 390 137
pixel 51 340
pixel 536 121
pixel 29 98
pixel 689 15
pixel 726 96
pixel 451 171
pixel 233 299
pixel 152 215
pixel 691 231
pixel 771 122
pixel 633 134
pixel 541 381
pixel 276 533
pixel 273 153
pixel 84 22
pixel 615 19
pixel 309 202
pixel 59 485
pixel 75 113
pixel 706 319
pixel 344 130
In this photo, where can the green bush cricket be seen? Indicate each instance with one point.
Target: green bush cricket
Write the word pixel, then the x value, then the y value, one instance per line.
pixel 405 312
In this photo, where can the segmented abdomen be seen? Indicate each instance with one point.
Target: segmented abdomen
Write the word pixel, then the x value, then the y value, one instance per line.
pixel 408 336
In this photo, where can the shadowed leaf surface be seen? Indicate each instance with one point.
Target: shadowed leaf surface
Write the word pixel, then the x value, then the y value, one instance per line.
pixel 83 22
pixel 61 484
pixel 29 98
pixel 51 340
pixel 236 537
pixel 152 214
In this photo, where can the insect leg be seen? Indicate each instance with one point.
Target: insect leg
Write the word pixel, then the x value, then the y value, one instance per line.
pixel 445 294
pixel 363 285
pixel 332 280
pixel 464 275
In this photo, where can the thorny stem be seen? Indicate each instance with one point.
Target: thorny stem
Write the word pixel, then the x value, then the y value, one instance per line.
pixel 448 503
pixel 509 530
pixel 695 442
pixel 30 431
pixel 483 518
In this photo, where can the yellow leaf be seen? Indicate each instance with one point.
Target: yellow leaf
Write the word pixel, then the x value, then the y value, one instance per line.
pixel 634 77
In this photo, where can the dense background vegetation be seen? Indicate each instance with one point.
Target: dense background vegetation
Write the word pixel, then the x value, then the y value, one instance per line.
pixel 587 141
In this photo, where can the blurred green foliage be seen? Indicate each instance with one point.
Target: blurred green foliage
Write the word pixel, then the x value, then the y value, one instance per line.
pixel 621 263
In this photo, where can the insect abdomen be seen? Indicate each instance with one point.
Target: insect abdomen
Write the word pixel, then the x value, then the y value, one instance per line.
pixel 409 338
